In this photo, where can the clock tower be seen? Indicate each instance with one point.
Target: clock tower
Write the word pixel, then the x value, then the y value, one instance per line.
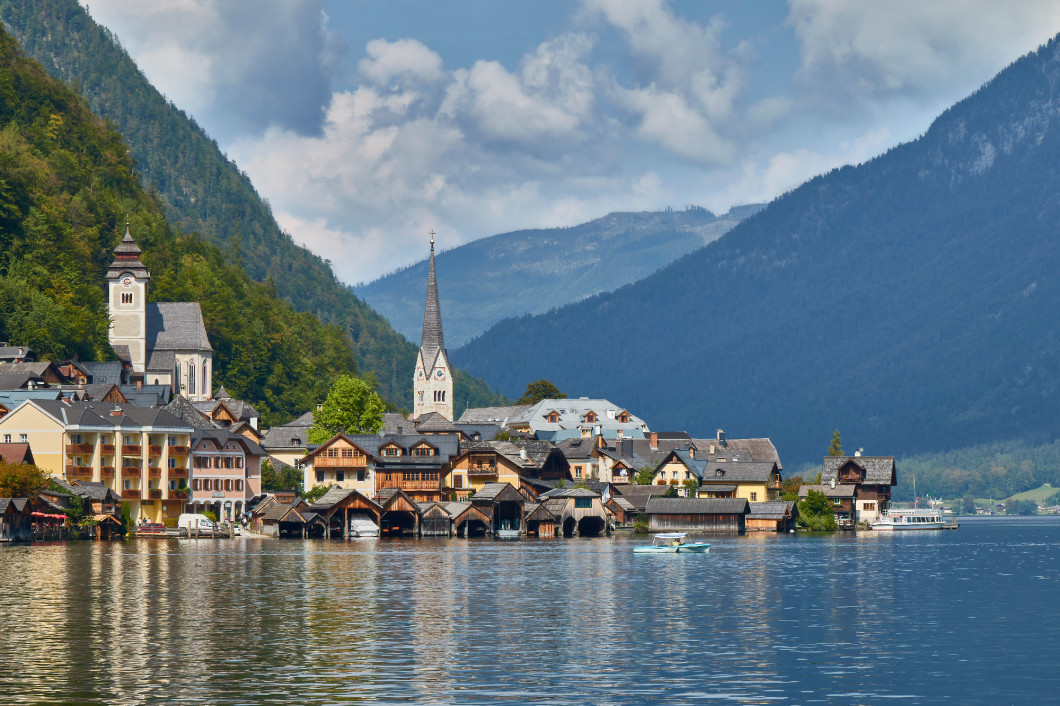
pixel 432 384
pixel 127 301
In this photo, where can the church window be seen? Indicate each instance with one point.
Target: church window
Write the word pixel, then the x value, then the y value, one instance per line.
pixel 191 377
pixel 205 380
pixel 126 298
pixel 421 395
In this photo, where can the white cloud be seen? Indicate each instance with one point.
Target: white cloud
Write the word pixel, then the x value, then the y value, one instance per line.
pixel 405 58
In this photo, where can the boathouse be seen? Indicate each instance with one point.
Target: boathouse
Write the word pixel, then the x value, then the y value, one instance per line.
pixel 540 522
pixel 16 520
pixel 468 520
pixel 580 512
pixel 400 515
pixel 503 504
pixel 772 516
pixel 697 514
pixel 435 520
pixel 339 506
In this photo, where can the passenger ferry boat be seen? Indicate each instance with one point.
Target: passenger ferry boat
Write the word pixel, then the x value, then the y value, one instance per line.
pixel 915 519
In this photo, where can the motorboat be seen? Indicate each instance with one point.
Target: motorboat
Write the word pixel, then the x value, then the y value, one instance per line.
pixel 913 519
pixel 673 543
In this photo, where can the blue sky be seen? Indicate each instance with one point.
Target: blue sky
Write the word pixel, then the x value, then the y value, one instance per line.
pixel 368 123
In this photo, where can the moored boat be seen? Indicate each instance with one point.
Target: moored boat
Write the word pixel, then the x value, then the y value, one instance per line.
pixel 915 519
pixel 673 543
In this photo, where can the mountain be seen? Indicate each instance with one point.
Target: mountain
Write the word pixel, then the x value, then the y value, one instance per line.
pixel 67 189
pixel 204 192
pixel 909 301
pixel 532 271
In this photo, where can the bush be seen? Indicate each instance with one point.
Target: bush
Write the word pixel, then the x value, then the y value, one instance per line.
pixel 210 515
pixel 640 524
pixel 170 522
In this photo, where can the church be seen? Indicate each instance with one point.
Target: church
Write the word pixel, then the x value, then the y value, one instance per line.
pixel 432 387
pixel 165 343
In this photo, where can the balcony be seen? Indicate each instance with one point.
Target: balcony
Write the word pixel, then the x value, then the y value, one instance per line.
pixel 79 449
pixel 131 494
pixel 154 450
pixel 79 471
pixel 178 472
pixel 180 493
pixel 412 485
pixel 130 450
pixel 106 472
pixel 154 472
pixel 356 463
pixel 178 450
pixel 155 493
pixel 130 471
pixel 106 449
pixel 490 470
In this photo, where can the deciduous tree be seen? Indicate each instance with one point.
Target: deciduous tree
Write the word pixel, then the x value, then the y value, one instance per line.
pixel 352 407
pixel 541 390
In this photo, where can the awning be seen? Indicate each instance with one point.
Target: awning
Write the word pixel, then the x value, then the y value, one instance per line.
pixel 48 515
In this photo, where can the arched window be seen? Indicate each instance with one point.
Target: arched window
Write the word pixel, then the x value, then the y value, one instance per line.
pixel 205 378
pixel 191 377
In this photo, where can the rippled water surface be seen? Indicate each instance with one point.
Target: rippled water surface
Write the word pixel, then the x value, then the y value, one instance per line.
pixel 965 616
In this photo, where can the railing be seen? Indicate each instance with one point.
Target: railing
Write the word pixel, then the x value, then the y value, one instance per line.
pixel 357 463
pixel 106 471
pixel 130 471
pixel 131 493
pixel 155 493
pixel 412 484
pixel 79 448
pixel 180 493
pixel 78 471
pixel 482 470
pixel 130 450
pixel 178 472
pixel 178 450
pixel 154 450
pixel 106 449
pixel 154 472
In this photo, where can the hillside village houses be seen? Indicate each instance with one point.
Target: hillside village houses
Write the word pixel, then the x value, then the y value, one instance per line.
pixel 150 429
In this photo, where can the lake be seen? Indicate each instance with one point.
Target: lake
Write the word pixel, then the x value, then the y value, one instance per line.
pixel 966 617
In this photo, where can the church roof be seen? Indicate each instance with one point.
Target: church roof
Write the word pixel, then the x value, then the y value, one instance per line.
pixel 432 340
pixel 127 259
pixel 176 326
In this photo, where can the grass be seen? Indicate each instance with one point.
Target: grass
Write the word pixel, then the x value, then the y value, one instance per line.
pixel 1038 495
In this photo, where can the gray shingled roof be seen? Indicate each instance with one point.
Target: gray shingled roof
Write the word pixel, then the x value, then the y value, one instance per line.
pixel 176 326
pixel 492 415
pixel 12 352
pixel 183 409
pixel 432 342
pixel 878 469
pixel 127 259
pixel 286 437
pixel 771 510
pixel 840 491
pixel 696 506
pixel 435 423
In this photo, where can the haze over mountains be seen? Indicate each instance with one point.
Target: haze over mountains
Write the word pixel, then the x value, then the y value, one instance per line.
pixel 533 271
pixel 910 300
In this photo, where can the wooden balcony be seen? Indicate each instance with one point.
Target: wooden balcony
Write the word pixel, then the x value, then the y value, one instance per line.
pixel 490 470
pixel 155 493
pixel 411 485
pixel 178 450
pixel 79 449
pixel 106 472
pixel 130 450
pixel 357 463
pixel 154 450
pixel 130 471
pixel 154 472
pixel 131 494
pixel 79 471
pixel 106 449
pixel 178 472
pixel 180 493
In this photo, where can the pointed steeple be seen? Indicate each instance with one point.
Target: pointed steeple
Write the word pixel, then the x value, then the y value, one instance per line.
pixel 432 316
pixel 127 259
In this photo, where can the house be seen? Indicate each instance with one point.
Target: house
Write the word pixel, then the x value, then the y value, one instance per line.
pixel 225 474
pixel 697 514
pixel 579 512
pixel 134 451
pixel 519 463
pixel 555 420
pixel 637 496
pixel 503 504
pixel 435 520
pixel 286 444
pixel 37 373
pixel 772 516
pixel 540 521
pixel 753 481
pixel 873 476
pixel 16 520
pixel 844 499
pixel 16 354
pixel 621 510
pixel 469 520
pixel 284 520
pixel 400 513
pixel 235 415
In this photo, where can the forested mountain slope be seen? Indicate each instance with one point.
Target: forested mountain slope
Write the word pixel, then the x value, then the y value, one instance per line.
pixel 67 186
pixel 532 271
pixel 204 192
pixel 910 301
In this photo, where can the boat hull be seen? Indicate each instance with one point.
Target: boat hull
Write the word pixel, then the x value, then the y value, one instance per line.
pixel 695 548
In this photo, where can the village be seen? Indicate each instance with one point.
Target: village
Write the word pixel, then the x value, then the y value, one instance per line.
pixel 147 438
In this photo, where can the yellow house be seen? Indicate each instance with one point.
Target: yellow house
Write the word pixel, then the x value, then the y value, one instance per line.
pixel 504 462
pixel 342 463
pixel 754 482
pixel 134 451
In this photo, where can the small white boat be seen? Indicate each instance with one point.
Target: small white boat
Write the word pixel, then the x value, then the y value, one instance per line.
pixel 673 543
pixel 916 519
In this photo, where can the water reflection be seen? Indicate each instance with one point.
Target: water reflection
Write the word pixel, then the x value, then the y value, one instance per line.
pixel 840 619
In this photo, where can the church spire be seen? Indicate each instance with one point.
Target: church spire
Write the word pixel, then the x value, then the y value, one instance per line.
pixel 432 313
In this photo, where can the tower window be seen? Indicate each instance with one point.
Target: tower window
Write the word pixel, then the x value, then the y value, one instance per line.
pixel 191 377
pixel 439 395
pixel 126 297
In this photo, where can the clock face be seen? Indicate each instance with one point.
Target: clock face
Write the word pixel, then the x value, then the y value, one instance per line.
pixel 440 374
pixel 127 281
pixel 419 373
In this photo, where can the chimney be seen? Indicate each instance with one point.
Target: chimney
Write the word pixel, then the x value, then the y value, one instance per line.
pixel 139 384
pixel 712 448
pixel 654 441
pixel 857 453
pixel 832 482
pixel 721 437
pixel 692 450
pixel 522 454
pixel 116 412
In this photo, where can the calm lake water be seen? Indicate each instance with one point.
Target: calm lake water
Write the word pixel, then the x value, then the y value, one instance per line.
pixel 966 616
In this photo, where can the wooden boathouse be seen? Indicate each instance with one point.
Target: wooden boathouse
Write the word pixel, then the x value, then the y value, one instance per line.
pixel 697 514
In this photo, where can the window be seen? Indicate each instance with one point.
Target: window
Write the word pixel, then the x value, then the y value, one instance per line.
pixel 458 481
pixel 577 471
pixel 23 438
pixel 205 380
pixel 624 418
pixel 7 438
pixel 420 393
pixel 320 476
pixel 228 483
pixel 553 417
pixel 196 484
pixel 836 501
pixel 347 453
pixel 75 439
pixel 360 475
pixel 126 485
pixel 583 502
pixel 439 395
pixel 172 441
pixel 391 451
pixel 868 506
pixel 172 463
pixel 340 476
pixel 126 297
pixel 172 485
pixel 239 484
pixel 754 497
pixel 239 461
pixel 191 378
pixel 590 417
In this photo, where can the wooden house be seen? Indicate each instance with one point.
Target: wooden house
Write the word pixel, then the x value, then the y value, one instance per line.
pixel 873 477
pixel 844 499
pixel 283 520
pixel 339 462
pixel 697 514
pixel 339 506
pixel 540 522
pixel 468 520
pixel 772 516
pixel 400 514
pixel 503 504
pixel 621 510
pixel 487 462
pixel 580 512
pixel 435 520
pixel 16 520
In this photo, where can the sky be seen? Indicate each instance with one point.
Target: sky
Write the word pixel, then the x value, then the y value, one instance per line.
pixel 368 123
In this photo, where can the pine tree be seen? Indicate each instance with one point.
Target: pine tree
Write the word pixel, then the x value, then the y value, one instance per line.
pixel 836 448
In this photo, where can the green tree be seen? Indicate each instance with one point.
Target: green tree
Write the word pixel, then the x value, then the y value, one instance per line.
pixel 815 512
pixel 789 488
pixel 286 478
pixel 541 390
pixel 836 447
pixel 21 480
pixel 643 476
pixel 691 486
pixel 968 505
pixel 352 406
pixel 316 493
